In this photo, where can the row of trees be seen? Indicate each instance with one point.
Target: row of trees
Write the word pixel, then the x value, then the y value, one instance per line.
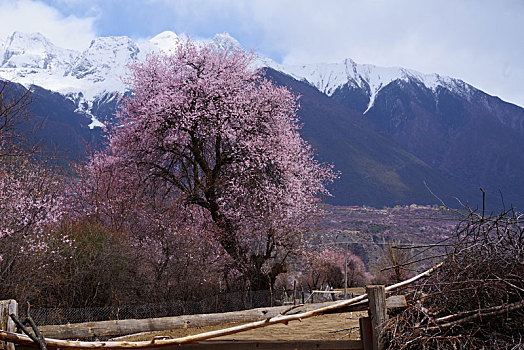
pixel 205 183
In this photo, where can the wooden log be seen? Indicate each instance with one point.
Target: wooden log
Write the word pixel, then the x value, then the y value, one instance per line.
pixel 392 302
pixel 414 278
pixel 131 326
pixel 259 345
pixel 125 327
pixel 377 313
pixel 8 307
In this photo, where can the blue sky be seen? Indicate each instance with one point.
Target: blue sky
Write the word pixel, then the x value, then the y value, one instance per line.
pixel 479 41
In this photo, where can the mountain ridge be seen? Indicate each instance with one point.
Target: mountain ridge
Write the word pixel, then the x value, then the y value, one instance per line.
pixel 435 127
pixel 326 77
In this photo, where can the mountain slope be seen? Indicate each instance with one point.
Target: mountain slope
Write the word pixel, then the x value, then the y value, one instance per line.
pixel 55 124
pixel 475 137
pixel 374 170
pixel 449 124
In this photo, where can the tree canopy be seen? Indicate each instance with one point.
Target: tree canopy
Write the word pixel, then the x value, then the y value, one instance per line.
pixel 210 130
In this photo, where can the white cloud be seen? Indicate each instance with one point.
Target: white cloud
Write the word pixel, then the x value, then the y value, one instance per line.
pixel 33 16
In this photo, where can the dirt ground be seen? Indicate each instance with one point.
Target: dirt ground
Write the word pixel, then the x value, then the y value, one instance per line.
pixel 323 327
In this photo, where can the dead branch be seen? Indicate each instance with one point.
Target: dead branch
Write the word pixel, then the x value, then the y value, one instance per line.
pixel 493 311
pixel 37 338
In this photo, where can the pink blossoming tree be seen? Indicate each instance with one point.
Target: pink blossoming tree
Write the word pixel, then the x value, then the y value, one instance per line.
pixel 31 195
pixel 327 267
pixel 223 139
pixel 31 201
pixel 171 240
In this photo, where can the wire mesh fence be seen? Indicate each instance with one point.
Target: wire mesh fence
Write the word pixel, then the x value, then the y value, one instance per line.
pixel 219 303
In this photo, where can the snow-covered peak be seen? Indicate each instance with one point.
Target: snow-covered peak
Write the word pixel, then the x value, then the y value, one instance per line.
pixel 165 41
pixel 226 42
pixel 106 59
pixel 328 77
pixel 97 72
pixel 33 50
pixel 119 50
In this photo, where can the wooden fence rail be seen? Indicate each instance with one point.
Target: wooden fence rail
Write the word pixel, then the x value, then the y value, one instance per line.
pixel 258 344
pixel 124 327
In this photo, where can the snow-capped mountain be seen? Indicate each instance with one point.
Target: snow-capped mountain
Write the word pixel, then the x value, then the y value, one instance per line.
pixel 86 77
pixel 328 78
pixel 165 41
pixel 441 124
pixel 224 41
pixel 34 51
pixel 31 59
pixel 95 73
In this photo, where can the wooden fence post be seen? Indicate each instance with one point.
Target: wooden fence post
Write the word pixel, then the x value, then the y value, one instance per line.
pixel 366 333
pixel 270 294
pixel 377 313
pixel 295 292
pixel 8 307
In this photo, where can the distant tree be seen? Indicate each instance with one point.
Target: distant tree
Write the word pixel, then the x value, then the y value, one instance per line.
pixel 327 268
pixel 222 138
pixel 357 272
pixel 395 263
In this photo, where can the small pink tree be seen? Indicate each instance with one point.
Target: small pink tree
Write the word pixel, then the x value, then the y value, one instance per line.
pixel 31 202
pixel 327 268
pixel 31 194
pixel 222 138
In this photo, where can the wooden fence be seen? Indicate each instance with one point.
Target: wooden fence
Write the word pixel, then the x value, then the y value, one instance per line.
pixel 370 327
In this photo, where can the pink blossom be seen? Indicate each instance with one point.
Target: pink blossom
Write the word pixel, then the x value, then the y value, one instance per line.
pixel 218 136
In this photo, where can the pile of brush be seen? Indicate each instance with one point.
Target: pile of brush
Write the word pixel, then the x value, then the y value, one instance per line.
pixel 475 300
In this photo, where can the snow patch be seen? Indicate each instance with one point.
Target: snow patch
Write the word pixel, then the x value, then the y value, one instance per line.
pixel 85 106
pixel 95 123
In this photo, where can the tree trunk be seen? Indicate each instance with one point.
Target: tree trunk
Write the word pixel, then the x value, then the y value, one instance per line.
pixel 249 267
